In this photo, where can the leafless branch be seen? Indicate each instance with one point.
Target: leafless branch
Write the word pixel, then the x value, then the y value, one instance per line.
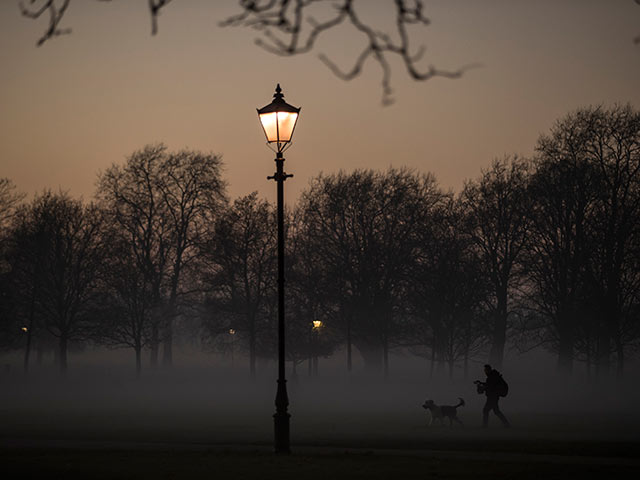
pixel 35 9
pixel 637 39
pixel 288 29
pixel 154 8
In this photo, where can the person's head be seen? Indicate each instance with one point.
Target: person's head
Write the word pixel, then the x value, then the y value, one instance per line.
pixel 487 369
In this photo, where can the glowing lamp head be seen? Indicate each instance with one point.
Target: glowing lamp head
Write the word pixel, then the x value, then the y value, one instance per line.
pixel 278 120
pixel 232 331
pixel 25 329
pixel 317 324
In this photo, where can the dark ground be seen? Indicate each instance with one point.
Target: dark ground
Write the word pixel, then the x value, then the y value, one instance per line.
pixel 191 427
pixel 167 463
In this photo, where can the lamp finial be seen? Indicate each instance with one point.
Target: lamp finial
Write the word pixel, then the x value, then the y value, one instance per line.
pixel 278 96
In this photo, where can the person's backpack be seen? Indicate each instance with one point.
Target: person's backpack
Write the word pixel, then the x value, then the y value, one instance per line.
pixel 502 388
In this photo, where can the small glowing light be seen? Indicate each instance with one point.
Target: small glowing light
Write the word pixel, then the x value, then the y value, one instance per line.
pixel 232 331
pixel 317 324
pixel 278 120
pixel 24 329
pixel 278 126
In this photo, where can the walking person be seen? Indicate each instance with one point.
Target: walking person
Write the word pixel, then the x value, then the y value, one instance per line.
pixel 494 387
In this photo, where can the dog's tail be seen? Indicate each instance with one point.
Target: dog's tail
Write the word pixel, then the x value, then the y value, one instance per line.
pixel 461 404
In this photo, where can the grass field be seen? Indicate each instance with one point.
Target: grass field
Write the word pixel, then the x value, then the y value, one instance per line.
pixel 162 463
pixel 188 429
pixel 118 446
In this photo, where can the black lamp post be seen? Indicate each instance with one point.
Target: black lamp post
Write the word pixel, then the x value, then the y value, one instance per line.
pixel 278 120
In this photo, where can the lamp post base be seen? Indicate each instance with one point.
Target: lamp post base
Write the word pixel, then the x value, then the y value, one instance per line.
pixel 281 419
pixel 281 430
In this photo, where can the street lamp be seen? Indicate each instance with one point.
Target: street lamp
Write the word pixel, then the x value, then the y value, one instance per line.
pixel 232 332
pixel 315 334
pixel 278 121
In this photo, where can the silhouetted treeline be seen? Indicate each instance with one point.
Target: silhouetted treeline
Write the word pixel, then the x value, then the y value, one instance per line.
pixel 535 253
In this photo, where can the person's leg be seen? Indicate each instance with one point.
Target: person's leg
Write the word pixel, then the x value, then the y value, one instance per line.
pixel 500 415
pixel 485 412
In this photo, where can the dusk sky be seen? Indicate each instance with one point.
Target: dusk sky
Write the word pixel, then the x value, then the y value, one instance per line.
pixel 81 102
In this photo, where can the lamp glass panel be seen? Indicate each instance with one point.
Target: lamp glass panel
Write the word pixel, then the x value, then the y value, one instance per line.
pixel 286 123
pixel 281 123
pixel 269 125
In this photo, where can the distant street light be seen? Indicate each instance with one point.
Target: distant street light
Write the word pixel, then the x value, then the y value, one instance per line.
pixel 26 331
pixel 278 121
pixel 232 332
pixel 315 333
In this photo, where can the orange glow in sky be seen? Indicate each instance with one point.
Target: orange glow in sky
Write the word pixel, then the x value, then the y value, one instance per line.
pixel 81 102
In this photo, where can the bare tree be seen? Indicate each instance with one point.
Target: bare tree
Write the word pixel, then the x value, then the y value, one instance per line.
pixel 193 193
pixel 164 202
pixel 15 320
pixel 130 196
pixel 495 208
pixel 315 325
pixel 69 249
pixel 612 145
pixel 447 292
pixel 25 254
pixel 365 226
pixel 563 189
pixel 9 201
pixel 125 304
pixel 240 264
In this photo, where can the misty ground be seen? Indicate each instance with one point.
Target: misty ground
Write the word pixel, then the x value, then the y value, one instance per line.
pixel 197 422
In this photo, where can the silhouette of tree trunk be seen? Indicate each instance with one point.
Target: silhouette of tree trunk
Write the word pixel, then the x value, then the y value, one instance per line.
pixel 613 146
pixel 372 356
pixel 446 291
pixel 62 265
pixel 154 344
pixel 495 209
pixel 30 327
pixel 432 363
pixel 9 202
pixel 252 347
pixel 349 343
pixel 138 352
pixel 566 340
pixel 39 354
pixel 240 269
pixel 584 219
pixel 499 336
pixel 385 357
pixel 192 192
pixel 17 265
pixel 161 202
pixel 130 195
pixel 364 226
